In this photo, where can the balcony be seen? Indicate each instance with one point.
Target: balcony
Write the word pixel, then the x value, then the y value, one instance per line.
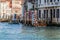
pixel 50 4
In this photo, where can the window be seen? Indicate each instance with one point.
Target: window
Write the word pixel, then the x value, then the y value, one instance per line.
pixel 45 1
pixel 53 13
pixel 39 14
pixel 58 0
pixel 40 1
pixel 36 2
pixel 54 0
pixel 15 16
pixel 44 13
pixel 51 0
pixel 57 13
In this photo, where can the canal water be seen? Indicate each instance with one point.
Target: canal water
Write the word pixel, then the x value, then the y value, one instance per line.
pixel 22 32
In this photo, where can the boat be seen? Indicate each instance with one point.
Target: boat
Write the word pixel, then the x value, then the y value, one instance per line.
pixel 14 20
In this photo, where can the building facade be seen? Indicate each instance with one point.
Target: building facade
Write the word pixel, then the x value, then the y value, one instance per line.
pixel 48 10
pixel 5 9
pixel 11 7
pixel 27 12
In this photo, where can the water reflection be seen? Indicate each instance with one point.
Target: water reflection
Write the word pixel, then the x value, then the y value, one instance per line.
pixel 22 32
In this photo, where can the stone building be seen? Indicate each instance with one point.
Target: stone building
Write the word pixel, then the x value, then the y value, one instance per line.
pixel 48 10
pixel 11 7
pixel 27 12
pixel 5 9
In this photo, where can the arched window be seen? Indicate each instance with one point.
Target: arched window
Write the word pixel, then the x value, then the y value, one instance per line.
pixel 45 1
pixel 57 13
pixel 44 13
pixel 53 13
pixel 39 14
pixel 40 1
pixel 58 0
pixel 51 0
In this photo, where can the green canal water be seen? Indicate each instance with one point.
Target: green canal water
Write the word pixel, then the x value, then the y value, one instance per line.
pixel 22 32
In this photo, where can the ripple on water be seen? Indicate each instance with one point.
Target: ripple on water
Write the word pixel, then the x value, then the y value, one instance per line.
pixel 22 32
